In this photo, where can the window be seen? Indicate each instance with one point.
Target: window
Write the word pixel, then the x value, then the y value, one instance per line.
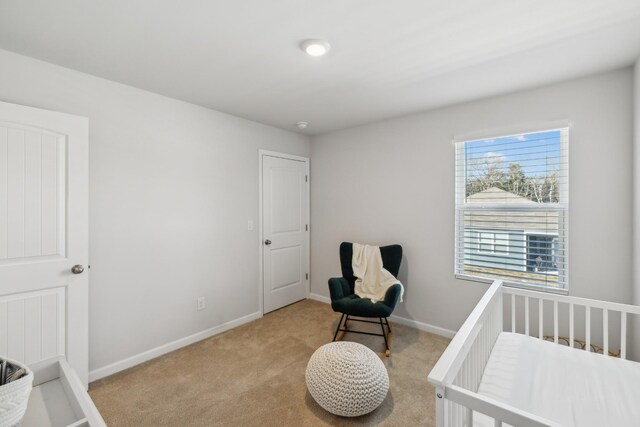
pixel 492 242
pixel 487 242
pixel 541 253
pixel 512 209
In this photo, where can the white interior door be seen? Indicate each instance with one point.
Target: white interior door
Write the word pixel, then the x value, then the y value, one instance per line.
pixel 43 234
pixel 285 230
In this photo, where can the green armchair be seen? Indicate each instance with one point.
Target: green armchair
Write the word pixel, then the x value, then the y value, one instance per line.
pixel 346 302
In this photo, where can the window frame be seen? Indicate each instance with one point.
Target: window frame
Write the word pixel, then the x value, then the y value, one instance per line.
pixel 481 242
pixel 562 207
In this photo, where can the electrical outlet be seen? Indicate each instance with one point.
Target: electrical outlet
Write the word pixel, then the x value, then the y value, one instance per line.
pixel 250 225
pixel 201 304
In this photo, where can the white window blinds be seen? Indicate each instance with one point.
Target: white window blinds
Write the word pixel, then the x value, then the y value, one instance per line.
pixel 512 209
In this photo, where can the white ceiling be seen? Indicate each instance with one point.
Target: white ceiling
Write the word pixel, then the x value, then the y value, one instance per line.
pixel 388 58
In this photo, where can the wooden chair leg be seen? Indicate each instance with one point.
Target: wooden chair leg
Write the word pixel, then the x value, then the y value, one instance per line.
pixel 338 328
pixel 389 339
pixel 387 351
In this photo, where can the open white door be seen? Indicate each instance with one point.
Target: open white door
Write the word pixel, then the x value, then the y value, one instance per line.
pixel 285 229
pixel 43 235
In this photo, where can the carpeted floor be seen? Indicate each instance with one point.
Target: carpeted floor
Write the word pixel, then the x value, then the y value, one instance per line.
pixel 254 376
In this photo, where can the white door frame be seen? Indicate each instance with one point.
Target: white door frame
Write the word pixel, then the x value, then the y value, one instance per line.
pixel 261 154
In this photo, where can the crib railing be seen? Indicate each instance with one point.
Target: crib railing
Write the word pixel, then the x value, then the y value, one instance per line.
pixel 457 374
pixel 607 309
pixel 460 367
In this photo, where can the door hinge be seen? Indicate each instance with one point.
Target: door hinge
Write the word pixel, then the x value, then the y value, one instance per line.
pixel 306 178
pixel 306 276
pixel 306 227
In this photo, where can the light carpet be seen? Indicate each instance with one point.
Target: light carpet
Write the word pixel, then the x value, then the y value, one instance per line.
pixel 253 375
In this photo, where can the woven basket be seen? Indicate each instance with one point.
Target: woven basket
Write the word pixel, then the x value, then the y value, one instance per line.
pixel 14 398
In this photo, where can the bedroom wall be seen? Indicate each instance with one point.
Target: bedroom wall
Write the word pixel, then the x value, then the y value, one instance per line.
pixel 393 182
pixel 172 186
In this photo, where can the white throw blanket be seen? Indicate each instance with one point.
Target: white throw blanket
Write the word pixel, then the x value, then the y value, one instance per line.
pixel 372 280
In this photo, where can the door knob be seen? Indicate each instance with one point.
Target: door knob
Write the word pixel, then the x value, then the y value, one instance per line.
pixel 77 269
pixel 267 242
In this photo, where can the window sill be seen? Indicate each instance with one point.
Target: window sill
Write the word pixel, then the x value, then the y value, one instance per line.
pixel 539 288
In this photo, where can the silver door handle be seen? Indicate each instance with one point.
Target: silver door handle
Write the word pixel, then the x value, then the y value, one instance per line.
pixel 77 269
pixel 267 242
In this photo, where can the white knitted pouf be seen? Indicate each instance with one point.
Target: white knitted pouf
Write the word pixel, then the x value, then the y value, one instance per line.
pixel 347 378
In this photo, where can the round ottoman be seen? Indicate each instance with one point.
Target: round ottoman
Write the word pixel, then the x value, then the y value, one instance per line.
pixel 347 378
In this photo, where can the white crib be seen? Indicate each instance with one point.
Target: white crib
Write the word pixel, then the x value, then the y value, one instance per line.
pixel 459 375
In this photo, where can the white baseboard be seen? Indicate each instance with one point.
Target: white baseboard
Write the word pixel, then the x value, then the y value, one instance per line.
pixel 437 330
pixel 401 320
pixel 129 362
pixel 321 298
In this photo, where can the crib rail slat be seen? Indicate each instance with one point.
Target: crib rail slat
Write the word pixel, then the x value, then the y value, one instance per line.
pixel 526 316
pixel 513 313
pixel 555 322
pixel 540 318
pixel 587 326
pixel 623 335
pixel 605 331
pixel 571 333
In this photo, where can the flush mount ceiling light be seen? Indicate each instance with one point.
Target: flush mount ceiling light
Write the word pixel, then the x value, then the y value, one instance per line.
pixel 315 47
pixel 302 125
